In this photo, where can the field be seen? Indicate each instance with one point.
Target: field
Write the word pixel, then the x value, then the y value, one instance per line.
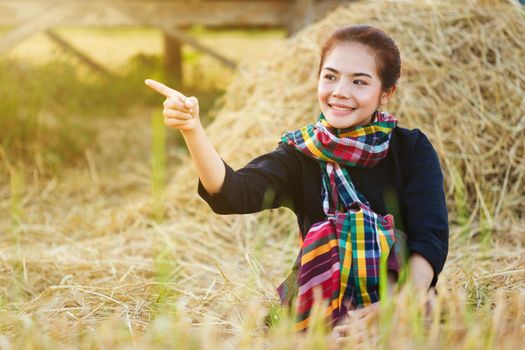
pixel 104 243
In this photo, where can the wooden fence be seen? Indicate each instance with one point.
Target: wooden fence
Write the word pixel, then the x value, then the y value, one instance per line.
pixel 29 17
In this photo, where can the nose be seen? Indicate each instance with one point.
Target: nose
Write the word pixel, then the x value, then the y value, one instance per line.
pixel 342 89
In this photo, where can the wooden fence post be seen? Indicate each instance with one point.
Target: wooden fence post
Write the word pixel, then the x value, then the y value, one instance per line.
pixel 301 15
pixel 173 60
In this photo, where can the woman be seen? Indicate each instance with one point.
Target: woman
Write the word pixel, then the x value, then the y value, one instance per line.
pixel 343 176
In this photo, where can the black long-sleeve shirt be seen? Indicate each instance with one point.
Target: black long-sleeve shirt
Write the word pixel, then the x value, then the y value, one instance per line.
pixel 407 183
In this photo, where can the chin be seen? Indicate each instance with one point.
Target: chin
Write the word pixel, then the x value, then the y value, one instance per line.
pixel 338 123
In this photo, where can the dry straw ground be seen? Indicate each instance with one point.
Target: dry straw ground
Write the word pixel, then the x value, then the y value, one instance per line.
pixel 85 263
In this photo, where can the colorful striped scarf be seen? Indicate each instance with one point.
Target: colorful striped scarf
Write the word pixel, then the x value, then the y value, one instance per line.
pixel 340 256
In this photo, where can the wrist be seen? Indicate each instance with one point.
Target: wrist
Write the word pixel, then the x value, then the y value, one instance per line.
pixel 192 131
pixel 421 272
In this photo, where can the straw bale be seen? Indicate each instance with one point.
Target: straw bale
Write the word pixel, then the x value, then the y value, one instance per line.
pixel 462 84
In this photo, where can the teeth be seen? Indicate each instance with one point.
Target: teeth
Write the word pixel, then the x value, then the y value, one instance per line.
pixel 342 108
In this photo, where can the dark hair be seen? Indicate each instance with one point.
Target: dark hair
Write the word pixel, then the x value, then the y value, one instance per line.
pixel 385 49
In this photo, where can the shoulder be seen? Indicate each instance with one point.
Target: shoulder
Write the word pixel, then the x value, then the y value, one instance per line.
pixel 284 155
pixel 299 164
pixel 283 159
pixel 414 149
pixel 409 138
pixel 410 142
pixel 288 152
pixel 286 149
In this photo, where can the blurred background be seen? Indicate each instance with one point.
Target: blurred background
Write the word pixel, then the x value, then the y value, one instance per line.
pixel 68 67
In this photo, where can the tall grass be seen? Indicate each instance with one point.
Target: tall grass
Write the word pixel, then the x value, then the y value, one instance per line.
pixel 158 165
pixel 45 109
pixel 49 113
pixel 405 324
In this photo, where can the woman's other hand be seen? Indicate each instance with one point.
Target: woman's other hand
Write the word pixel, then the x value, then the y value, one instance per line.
pixel 359 326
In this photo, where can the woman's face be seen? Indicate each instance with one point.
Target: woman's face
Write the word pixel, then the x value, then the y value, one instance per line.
pixel 349 88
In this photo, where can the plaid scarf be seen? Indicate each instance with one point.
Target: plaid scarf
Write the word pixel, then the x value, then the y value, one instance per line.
pixel 340 256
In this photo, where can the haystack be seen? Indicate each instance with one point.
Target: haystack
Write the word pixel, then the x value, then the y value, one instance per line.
pixel 462 84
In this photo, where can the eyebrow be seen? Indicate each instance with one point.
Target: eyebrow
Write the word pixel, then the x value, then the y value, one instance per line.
pixel 353 74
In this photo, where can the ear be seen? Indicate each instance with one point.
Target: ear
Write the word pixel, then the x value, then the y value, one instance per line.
pixel 385 95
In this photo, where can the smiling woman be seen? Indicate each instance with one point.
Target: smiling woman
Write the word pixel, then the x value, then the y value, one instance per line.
pixel 358 72
pixel 335 175
pixel 350 89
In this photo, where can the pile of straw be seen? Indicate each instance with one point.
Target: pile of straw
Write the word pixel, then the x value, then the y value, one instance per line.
pixel 462 84
pixel 73 267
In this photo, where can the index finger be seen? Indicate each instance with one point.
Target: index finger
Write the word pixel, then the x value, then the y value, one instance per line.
pixel 162 89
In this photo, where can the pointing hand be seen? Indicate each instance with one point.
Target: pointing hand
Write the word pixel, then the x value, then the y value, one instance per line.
pixel 180 112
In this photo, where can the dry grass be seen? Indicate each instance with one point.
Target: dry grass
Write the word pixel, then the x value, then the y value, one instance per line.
pixel 82 261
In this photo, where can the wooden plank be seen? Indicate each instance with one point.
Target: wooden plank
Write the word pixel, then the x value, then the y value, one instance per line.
pixel 186 39
pixel 173 32
pixel 67 46
pixel 34 16
pixel 270 13
pixel 52 16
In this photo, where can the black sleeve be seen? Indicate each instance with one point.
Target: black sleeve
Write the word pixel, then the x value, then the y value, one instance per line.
pixel 426 210
pixel 266 182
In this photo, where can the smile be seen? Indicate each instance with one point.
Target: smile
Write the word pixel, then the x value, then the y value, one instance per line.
pixel 339 108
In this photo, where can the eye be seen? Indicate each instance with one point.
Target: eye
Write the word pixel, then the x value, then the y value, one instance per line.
pixel 359 82
pixel 329 76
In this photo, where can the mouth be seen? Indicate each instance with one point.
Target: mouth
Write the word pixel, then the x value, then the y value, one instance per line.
pixel 341 109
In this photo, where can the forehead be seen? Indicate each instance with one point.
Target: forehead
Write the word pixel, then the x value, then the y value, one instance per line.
pixel 351 58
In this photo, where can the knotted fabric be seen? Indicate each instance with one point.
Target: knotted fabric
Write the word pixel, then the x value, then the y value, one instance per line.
pixel 340 256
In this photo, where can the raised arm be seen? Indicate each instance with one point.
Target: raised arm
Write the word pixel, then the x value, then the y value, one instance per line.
pixel 182 113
